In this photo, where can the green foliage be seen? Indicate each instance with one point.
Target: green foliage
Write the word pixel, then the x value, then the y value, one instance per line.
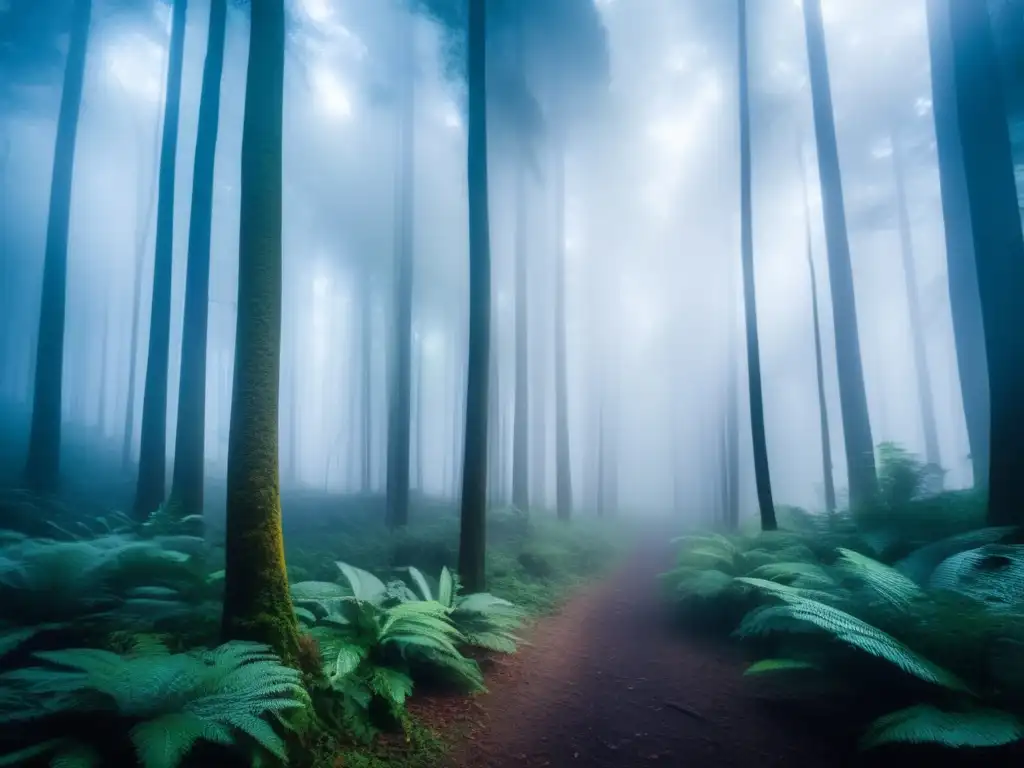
pixel 114 578
pixel 948 613
pixel 162 703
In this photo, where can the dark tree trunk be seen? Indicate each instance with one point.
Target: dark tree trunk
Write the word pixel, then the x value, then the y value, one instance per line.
pixel 400 423
pixel 563 468
pixel 860 455
pixel 473 528
pixel 190 442
pixel 762 477
pixel 42 465
pixel 731 437
pixel 964 302
pixel 998 247
pixel 257 603
pixel 149 491
pixel 826 438
pixel 924 383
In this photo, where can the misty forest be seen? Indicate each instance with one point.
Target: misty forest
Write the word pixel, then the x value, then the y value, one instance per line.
pixel 500 383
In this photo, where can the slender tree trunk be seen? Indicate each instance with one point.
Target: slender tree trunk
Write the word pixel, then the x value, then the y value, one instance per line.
pixel 762 476
pixel 257 603
pixel 731 438
pixel 538 470
pixel 563 468
pixel 860 455
pixel 473 530
pixel 366 393
pixel 520 424
pixel 400 426
pixel 826 438
pixel 924 382
pixel 101 411
pixel 190 441
pixel 42 465
pixel 964 302
pixel 8 279
pixel 494 449
pixel 420 437
pixel 143 217
pixel 998 247
pixel 149 491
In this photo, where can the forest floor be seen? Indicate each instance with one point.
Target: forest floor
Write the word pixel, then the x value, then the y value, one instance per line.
pixel 610 682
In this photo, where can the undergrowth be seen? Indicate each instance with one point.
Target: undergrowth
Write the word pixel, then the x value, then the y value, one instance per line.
pixel 109 632
pixel 911 600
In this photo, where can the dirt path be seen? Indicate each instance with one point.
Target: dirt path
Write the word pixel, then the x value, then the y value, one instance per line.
pixel 608 683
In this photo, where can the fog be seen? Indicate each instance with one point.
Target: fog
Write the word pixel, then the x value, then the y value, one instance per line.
pixel 653 302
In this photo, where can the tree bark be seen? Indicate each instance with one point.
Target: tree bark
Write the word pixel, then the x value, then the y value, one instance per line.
pixel 998 247
pixel 762 477
pixel 257 603
pixel 860 455
pixel 149 491
pixel 42 465
pixel 962 274
pixel 400 426
pixel 473 528
pixel 190 441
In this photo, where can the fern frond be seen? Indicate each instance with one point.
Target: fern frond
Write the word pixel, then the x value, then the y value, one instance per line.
pixel 777 665
pixel 888 583
pixel 927 724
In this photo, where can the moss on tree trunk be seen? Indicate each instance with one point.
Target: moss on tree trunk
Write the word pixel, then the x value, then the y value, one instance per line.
pixel 257 603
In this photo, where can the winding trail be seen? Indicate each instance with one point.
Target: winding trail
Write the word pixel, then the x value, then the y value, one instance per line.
pixel 609 683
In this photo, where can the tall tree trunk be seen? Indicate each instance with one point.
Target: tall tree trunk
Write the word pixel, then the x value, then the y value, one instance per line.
pixel 826 438
pixel 101 411
pixel 563 468
pixel 143 217
pixel 190 441
pixel 521 418
pixel 494 450
pixel 257 603
pixel 420 436
pixel 924 382
pixel 731 437
pixel 473 528
pixel 964 303
pixel 365 390
pixel 149 491
pixel 538 468
pixel 400 426
pixel 42 465
pixel 860 454
pixel 998 247
pixel 762 477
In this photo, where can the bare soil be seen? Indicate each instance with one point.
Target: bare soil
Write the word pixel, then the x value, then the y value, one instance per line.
pixel 609 682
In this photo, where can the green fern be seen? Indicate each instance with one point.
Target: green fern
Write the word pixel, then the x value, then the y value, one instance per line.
pixel 858 634
pixel 885 582
pixel 174 700
pixel 926 724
